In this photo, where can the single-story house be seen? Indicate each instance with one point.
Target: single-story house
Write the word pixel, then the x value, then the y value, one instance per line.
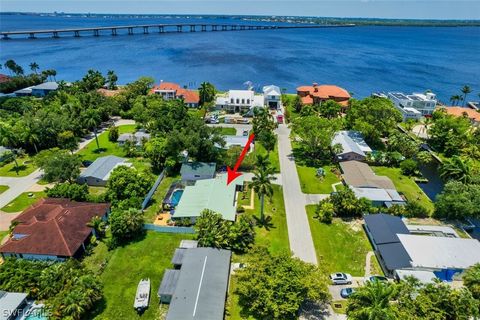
pixel 53 229
pixel 138 138
pixel 316 94
pixel 213 194
pixel 40 90
pixel 365 183
pixel 199 289
pixel 353 146
pixel 99 171
pixel 192 171
pixel 239 101
pixel 272 96
pixel 237 141
pixel 398 249
pixel 12 305
pixel 171 91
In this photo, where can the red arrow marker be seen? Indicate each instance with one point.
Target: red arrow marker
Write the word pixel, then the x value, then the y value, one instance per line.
pixel 233 174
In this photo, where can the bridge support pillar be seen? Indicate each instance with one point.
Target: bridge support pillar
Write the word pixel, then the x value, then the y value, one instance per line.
pixel 55 34
pixel 76 33
pixel 114 32
pixel 214 27
pixel 130 30
pixel 192 28
pixel 96 33
pixel 242 27
pixel 5 37
pixel 204 28
pixel 32 36
pixel 161 29
pixel 224 28
pixel 145 30
pixel 250 27
pixel 233 28
pixel 179 28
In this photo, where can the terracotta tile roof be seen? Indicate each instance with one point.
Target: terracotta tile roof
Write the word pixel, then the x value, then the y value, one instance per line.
pixel 307 100
pixel 55 227
pixel 188 96
pixel 472 114
pixel 325 91
pixel 4 78
pixel 109 93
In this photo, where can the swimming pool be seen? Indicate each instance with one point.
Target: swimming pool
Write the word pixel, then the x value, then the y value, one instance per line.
pixel 176 195
pixel 37 314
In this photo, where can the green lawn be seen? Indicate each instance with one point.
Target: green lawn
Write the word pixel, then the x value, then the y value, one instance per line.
pixel 96 190
pixel 3 189
pixel 25 166
pixel 273 156
pixel 338 247
pixel 147 258
pixel 405 185
pixel 91 152
pixel 23 201
pixel 3 234
pixel 310 183
pixel 155 205
pixel 228 131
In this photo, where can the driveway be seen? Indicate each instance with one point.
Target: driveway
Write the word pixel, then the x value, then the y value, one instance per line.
pixel 299 235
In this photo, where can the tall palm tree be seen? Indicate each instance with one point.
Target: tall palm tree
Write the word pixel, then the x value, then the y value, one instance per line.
pixel 456 169
pixel 207 94
pixel 98 225
pixel 465 90
pixel 262 185
pixel 372 302
pixel 34 67
pixel 92 121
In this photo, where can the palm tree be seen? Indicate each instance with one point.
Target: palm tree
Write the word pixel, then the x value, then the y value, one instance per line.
pixel 456 169
pixel 465 90
pixel 112 79
pixel 92 121
pixel 262 162
pixel 207 94
pixel 372 302
pixel 262 185
pixel 34 67
pixel 98 225
pixel 454 99
pixel 426 123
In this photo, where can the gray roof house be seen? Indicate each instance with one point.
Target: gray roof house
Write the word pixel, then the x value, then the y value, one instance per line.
pixel 137 137
pixel 12 304
pixel 99 171
pixel 40 90
pixel 353 146
pixel 200 289
pixel 192 171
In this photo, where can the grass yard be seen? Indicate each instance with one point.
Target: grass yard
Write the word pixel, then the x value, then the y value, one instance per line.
pixel 96 191
pixel 23 201
pixel 228 131
pixel 147 258
pixel 91 152
pixel 310 183
pixel 3 234
pixel 273 156
pixel 155 205
pixel 25 167
pixel 405 185
pixel 3 189
pixel 338 247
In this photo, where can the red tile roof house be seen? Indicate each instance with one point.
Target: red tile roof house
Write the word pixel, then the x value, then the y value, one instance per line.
pixel 316 94
pixel 170 91
pixel 53 229
pixel 4 78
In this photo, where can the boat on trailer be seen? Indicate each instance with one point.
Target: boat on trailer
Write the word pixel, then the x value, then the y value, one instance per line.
pixel 142 297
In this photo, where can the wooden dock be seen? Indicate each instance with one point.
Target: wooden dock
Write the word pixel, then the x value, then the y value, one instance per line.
pixel 153 28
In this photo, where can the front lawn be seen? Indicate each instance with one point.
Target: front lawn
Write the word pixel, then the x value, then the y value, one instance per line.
pixel 147 258
pixel 228 131
pixel 405 185
pixel 90 152
pixel 3 189
pixel 23 201
pixel 310 183
pixel 339 248
pixel 25 167
pixel 273 155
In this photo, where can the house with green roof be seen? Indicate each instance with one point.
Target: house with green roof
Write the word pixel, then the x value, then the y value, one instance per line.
pixel 213 194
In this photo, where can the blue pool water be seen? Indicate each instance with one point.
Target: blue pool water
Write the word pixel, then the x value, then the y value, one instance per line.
pixel 176 195
pixel 36 315
pixel 360 59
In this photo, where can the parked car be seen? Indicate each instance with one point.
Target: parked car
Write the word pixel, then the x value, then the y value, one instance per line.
pixel 346 292
pixel 341 278
pixel 377 278
pixel 245 133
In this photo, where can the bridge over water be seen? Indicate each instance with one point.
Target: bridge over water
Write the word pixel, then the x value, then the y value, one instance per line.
pixel 150 28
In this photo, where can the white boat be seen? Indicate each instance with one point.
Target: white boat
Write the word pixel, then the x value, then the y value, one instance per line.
pixel 143 295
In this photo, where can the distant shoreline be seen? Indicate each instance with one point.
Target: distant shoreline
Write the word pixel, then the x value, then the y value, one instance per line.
pixel 282 19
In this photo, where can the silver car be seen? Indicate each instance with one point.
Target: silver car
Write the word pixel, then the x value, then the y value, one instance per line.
pixel 341 278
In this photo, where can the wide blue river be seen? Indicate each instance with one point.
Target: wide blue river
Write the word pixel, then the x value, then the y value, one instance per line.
pixel 360 59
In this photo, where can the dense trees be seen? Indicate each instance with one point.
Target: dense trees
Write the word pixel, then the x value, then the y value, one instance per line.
pixel 449 134
pixel 263 128
pixel 125 225
pixel 456 168
pixel 276 286
pixel 372 301
pixel 72 191
pixel 128 185
pixel 471 280
pixel 346 204
pixel 58 165
pixel 68 290
pixel 458 200
pixel 213 231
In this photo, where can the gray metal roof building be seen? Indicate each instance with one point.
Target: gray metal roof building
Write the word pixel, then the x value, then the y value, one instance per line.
pixel 178 256
pixel 101 168
pixel 383 228
pixel 201 289
pixel 198 170
pixel 11 304
pixel 168 285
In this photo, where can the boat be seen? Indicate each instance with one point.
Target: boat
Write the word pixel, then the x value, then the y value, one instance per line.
pixel 143 295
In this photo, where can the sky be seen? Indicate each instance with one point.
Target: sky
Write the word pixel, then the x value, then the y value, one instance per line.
pixel 411 9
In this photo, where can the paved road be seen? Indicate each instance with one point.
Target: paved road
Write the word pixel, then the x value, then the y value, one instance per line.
pixel 299 234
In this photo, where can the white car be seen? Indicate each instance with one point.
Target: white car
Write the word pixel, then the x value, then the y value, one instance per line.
pixel 341 278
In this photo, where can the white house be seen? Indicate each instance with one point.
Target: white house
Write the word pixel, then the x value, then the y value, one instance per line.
pixel 415 105
pixel 272 97
pixel 239 101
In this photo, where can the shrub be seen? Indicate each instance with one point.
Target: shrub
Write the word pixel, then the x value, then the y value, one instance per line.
pixel 113 134
pixel 72 191
pixel 325 211
pixel 414 209
pixel 408 167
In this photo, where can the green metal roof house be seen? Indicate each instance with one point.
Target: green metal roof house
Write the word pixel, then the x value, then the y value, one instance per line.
pixel 213 194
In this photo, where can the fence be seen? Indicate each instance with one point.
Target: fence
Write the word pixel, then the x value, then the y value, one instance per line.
pixel 152 190
pixel 149 226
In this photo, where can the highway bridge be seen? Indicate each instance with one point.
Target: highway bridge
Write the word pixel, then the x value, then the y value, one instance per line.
pixel 151 28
